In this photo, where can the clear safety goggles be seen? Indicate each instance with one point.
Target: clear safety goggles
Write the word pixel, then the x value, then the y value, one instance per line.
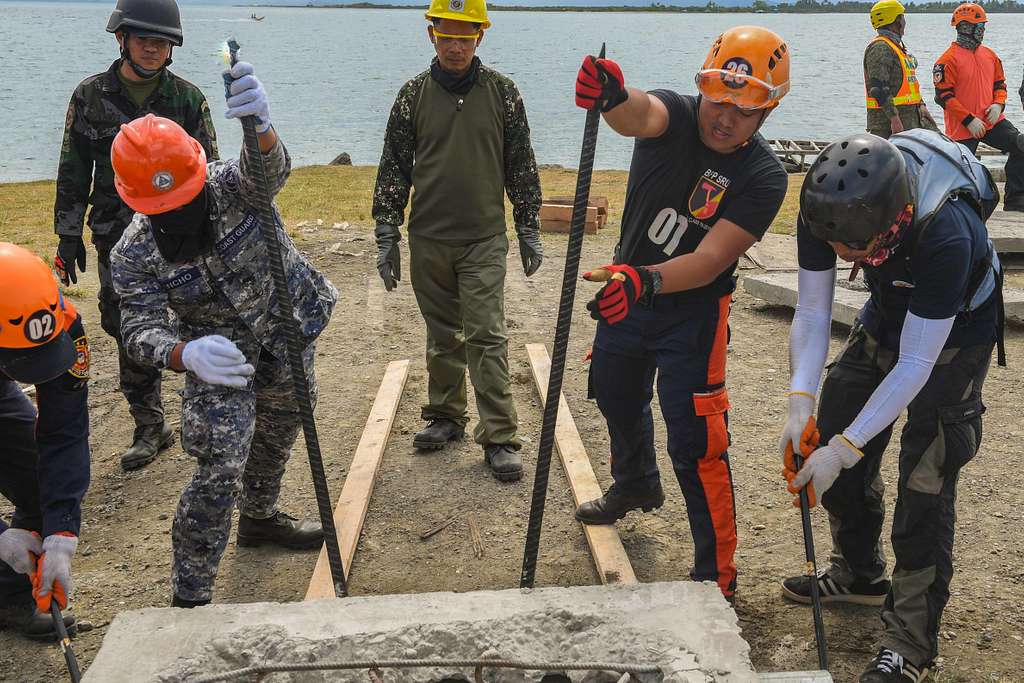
pixel 464 39
pixel 744 91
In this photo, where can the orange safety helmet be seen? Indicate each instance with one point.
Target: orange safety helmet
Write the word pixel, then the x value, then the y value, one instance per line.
pixel 969 12
pixel 747 66
pixel 34 344
pixel 158 167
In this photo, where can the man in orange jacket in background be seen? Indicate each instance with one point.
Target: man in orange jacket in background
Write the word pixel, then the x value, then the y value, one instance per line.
pixel 971 89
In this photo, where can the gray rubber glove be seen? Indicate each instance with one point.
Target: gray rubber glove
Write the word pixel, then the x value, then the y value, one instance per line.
pixel 19 549
pixel 389 259
pixel 977 128
pixel 531 251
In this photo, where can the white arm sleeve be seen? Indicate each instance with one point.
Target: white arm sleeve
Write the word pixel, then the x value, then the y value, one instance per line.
pixel 812 325
pixel 921 343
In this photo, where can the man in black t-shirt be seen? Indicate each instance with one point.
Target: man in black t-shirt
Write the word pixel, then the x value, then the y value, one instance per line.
pixel 703 187
pixel 911 212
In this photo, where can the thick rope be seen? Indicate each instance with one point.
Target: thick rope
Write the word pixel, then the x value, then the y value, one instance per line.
pixel 371 664
pixel 562 325
pixel 300 385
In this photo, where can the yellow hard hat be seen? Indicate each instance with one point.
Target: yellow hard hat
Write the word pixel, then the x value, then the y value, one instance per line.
pixel 473 11
pixel 884 12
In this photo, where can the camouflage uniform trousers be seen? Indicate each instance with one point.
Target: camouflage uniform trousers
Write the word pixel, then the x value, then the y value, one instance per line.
pixel 242 440
pixel 139 383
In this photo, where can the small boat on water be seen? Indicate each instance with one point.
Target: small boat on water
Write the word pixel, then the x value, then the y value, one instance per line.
pixel 255 18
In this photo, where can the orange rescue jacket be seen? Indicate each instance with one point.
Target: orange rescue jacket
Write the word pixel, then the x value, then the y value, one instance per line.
pixel 966 83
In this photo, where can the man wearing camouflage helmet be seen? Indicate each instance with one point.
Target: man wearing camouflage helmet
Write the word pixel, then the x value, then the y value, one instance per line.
pixel 136 84
pixel 458 133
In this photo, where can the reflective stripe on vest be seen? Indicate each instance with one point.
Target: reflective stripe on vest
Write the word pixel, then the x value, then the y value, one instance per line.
pixel 910 89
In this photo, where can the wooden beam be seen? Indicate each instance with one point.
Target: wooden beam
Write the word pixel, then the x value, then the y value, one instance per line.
pixel 605 545
pixel 355 494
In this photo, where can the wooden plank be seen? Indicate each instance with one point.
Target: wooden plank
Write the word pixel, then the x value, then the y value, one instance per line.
pixel 610 557
pixel 355 494
pixel 561 212
pixel 548 225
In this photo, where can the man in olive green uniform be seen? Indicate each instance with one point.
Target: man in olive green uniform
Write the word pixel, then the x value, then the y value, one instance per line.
pixel 135 85
pixel 894 102
pixel 458 133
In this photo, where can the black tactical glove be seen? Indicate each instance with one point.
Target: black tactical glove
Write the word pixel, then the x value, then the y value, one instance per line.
pixel 531 251
pixel 71 250
pixel 389 263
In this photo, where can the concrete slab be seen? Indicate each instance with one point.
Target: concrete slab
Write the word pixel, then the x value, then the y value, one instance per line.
pixel 781 288
pixel 797 677
pixel 1006 230
pixel 685 628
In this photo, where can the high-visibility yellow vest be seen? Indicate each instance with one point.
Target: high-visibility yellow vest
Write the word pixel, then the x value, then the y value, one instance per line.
pixel 910 89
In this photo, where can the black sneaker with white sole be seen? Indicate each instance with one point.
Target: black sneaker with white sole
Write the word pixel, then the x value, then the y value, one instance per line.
pixel 860 592
pixel 891 667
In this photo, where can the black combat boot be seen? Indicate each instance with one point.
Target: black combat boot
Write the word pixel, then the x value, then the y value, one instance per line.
pixel 436 434
pixel 280 529
pixel 187 604
pixel 31 623
pixel 504 461
pixel 614 505
pixel 149 440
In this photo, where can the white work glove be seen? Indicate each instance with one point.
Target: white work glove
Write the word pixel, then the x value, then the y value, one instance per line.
pixel 993 112
pixel 55 568
pixel 216 360
pixel 822 467
pixel 801 407
pixel 19 548
pixel 977 128
pixel 247 97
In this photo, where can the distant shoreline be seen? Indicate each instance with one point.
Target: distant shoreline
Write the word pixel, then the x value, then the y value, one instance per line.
pixel 759 7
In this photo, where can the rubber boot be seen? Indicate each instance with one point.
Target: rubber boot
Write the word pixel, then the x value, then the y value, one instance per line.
pixel 504 461
pixel 280 529
pixel 149 440
pixel 614 505
pixel 438 433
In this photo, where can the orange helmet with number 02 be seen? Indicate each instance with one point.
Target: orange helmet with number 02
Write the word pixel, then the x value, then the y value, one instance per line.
pixel 158 167
pixel 970 12
pixel 747 66
pixel 34 344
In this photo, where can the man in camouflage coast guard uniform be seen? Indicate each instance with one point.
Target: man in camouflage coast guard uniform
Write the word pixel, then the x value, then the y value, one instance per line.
pixel 197 295
pixel 135 85
pixel 458 134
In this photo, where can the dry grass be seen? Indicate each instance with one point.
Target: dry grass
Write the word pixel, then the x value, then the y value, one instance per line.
pixel 328 192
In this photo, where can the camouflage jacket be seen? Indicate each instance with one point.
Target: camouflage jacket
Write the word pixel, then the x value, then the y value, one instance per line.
pixel 228 289
pixel 394 174
pixel 883 74
pixel 97 109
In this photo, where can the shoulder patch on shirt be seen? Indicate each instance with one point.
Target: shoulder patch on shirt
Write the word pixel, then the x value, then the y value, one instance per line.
pixel 81 367
pixel 706 197
pixel 182 278
pixel 939 73
pixel 224 244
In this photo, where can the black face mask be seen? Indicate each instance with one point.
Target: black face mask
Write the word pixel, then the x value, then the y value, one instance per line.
pixel 457 85
pixel 182 234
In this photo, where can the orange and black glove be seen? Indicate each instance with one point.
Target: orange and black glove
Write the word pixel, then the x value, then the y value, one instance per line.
pixel 809 439
pixel 600 84
pixel 624 286
pixel 52 579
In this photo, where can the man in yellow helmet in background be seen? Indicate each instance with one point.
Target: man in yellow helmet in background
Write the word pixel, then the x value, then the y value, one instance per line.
pixel 893 92
pixel 458 133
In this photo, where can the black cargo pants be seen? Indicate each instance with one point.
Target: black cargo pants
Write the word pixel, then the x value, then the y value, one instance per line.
pixel 942 433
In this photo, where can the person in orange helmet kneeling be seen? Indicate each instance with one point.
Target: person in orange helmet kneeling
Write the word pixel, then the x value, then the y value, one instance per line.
pixel 703 187
pixel 44 461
